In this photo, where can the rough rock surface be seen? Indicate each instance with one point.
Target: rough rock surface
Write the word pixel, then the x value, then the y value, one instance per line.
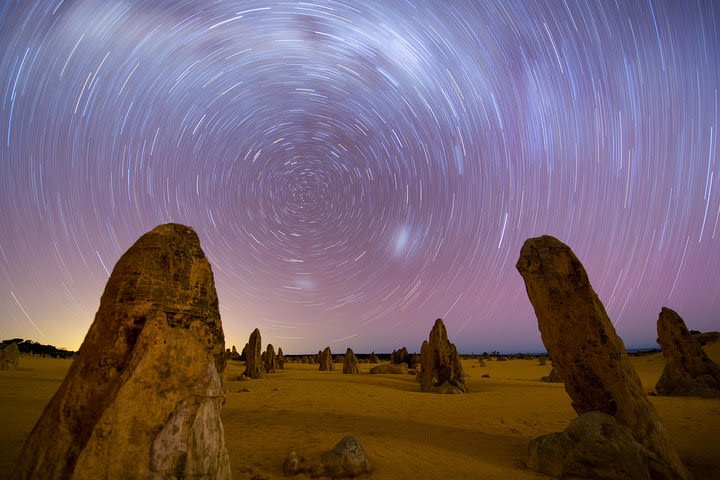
pixel 270 359
pixel 594 446
pixel 400 356
pixel 350 363
pixel 325 360
pixel 440 367
pixel 142 398
pixel 586 351
pixel 346 460
pixel 688 370
pixel 243 354
pixel 10 357
pixel 280 360
pixel 254 367
pixel 552 377
pixel 373 358
pixel 293 464
pixel 389 368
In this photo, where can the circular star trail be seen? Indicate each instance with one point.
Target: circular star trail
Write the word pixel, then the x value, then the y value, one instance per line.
pixel 357 169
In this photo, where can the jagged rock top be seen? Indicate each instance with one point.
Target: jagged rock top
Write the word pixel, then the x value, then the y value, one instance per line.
pixel 150 369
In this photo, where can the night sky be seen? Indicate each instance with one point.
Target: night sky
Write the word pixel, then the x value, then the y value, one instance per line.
pixel 357 169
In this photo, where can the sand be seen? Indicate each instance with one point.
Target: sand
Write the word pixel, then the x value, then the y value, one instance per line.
pixel 408 434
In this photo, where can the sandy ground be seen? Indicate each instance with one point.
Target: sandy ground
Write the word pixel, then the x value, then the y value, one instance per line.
pixel 408 434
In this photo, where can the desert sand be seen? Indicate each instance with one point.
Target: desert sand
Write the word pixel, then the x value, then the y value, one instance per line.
pixel 408 434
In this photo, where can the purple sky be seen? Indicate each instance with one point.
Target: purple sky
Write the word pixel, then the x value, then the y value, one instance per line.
pixel 357 169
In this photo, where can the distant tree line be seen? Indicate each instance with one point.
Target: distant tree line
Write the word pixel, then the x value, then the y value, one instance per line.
pixel 28 346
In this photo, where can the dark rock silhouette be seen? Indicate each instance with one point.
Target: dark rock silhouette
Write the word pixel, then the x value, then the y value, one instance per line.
pixel 440 367
pixel 234 355
pixel 142 398
pixel 414 360
pixel 10 357
pixel 280 359
pixel 243 354
pixel 270 359
pixel 400 356
pixel 373 358
pixel 254 367
pixel 552 377
pixel 350 363
pixel 688 370
pixel 701 338
pixel 586 351
pixel 594 446
pixel 30 347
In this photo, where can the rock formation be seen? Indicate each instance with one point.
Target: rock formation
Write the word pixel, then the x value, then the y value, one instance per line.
pixel 254 367
pixel 706 338
pixel 280 360
pixel 270 359
pixel 389 368
pixel 688 370
pixel 293 464
pixel 400 356
pixel 325 360
pixel 552 377
pixel 305 359
pixel 243 354
pixel 586 351
pixel 373 358
pixel 440 367
pixel 350 363
pixel 10 357
pixel 346 459
pixel 594 446
pixel 234 355
pixel 414 360
pixel 142 398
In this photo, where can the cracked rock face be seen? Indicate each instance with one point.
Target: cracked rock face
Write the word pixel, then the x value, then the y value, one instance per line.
pixel 688 370
pixel 142 398
pixel 586 351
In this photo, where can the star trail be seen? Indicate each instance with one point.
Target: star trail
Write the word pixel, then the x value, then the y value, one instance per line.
pixel 357 169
